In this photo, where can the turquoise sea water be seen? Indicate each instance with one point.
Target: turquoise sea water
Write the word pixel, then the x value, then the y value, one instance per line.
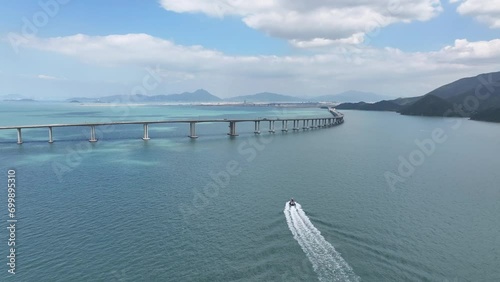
pixel 214 209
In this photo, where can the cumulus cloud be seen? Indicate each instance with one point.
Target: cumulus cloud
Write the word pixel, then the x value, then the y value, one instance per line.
pixel 470 52
pixel 485 11
pixel 306 22
pixel 390 70
pixel 47 77
pixel 116 49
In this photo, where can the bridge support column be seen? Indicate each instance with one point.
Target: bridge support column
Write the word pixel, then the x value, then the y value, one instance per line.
pixel 232 129
pixel 257 127
pixel 312 124
pixel 51 140
pixel 284 125
pixel 146 132
pixel 19 136
pixel 271 126
pixel 304 124
pixel 192 130
pixel 92 134
pixel 295 125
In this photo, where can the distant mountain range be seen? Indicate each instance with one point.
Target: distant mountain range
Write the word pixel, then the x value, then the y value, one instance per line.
pixel 351 96
pixel 199 95
pixel 15 97
pixel 264 97
pixel 204 96
pixel 476 97
pixel 378 106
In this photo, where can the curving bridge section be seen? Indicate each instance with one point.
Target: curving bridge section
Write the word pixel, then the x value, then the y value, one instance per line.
pixel 296 123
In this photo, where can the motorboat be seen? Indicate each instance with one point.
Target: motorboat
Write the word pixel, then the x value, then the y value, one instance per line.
pixel 291 203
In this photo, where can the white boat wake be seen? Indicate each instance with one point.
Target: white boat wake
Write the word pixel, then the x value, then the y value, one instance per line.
pixel 326 261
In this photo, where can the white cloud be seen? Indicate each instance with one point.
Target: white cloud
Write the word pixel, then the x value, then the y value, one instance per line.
pixel 485 11
pixel 322 42
pixel 470 52
pixel 307 22
pixel 389 70
pixel 48 77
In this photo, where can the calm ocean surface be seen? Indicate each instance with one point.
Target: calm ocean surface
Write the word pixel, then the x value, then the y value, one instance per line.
pixel 214 209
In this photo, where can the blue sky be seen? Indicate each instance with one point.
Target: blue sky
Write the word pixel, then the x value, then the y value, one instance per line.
pixel 54 49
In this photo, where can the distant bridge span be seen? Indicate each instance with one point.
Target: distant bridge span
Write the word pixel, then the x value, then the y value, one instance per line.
pixel 298 123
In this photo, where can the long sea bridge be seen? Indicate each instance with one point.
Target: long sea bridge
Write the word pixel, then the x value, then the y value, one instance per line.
pixel 296 123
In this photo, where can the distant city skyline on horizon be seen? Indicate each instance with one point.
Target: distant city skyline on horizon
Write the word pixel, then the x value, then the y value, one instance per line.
pixel 403 48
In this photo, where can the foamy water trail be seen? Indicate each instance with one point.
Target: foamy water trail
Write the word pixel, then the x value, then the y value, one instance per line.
pixel 326 261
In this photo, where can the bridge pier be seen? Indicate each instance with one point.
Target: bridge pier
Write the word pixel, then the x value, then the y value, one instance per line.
pixel 257 127
pixel 271 126
pixel 303 123
pixel 284 126
pixel 192 130
pixel 146 132
pixel 232 129
pixel 19 136
pixel 51 140
pixel 92 134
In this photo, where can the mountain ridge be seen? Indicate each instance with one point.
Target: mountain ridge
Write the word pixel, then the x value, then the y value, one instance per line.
pixel 476 97
pixel 352 96
pixel 202 95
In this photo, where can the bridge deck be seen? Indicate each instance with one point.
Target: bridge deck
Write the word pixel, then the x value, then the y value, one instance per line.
pixel 159 121
pixel 316 122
